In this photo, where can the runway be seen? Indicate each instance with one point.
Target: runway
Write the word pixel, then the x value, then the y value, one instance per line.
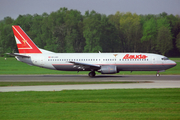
pixel 81 78
pixel 143 81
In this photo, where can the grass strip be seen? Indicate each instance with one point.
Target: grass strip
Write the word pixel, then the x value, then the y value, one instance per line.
pixel 91 104
pixel 58 83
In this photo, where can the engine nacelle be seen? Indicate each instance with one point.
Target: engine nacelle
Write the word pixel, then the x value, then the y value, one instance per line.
pixel 108 69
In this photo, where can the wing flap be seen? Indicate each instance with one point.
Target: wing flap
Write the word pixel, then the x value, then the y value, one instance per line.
pixel 91 66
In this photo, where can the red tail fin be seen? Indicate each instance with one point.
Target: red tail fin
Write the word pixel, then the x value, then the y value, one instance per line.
pixel 24 43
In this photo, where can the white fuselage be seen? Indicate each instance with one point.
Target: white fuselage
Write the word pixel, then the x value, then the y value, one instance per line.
pixel 123 61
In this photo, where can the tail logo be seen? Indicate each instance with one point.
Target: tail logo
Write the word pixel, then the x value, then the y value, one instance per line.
pixel 24 43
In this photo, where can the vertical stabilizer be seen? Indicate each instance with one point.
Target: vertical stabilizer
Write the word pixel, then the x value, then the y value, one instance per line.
pixel 24 43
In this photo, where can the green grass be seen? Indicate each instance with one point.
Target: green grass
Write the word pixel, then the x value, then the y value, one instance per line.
pixel 91 104
pixel 175 59
pixel 11 66
pixel 57 83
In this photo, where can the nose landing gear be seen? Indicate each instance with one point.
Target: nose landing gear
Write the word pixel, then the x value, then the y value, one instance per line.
pixel 157 74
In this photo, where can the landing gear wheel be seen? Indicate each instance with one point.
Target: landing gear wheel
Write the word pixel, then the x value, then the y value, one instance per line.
pixel 92 74
pixel 157 75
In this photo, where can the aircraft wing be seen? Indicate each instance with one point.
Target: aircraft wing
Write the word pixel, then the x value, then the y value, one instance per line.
pixel 85 65
pixel 16 54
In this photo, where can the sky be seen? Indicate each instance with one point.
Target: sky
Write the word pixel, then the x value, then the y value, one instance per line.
pixel 14 8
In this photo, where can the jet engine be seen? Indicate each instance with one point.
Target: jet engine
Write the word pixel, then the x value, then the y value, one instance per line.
pixel 108 69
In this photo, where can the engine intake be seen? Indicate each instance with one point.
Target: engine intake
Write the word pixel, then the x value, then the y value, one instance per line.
pixel 108 69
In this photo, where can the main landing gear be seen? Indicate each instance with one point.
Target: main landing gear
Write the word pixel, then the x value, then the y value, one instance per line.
pixel 92 74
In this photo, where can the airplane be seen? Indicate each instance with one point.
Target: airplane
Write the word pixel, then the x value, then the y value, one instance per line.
pixel 104 63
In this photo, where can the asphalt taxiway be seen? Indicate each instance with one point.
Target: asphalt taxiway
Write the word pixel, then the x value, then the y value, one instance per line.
pixel 139 81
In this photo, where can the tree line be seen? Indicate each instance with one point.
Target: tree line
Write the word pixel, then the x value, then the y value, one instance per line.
pixel 68 31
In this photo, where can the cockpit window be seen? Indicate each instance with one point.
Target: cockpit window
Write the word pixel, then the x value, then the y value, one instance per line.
pixel 165 58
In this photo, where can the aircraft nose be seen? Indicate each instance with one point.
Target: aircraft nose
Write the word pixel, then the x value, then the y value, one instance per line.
pixel 173 63
pixel 169 64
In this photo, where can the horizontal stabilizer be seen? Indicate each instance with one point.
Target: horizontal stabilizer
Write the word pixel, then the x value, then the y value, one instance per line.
pixel 16 54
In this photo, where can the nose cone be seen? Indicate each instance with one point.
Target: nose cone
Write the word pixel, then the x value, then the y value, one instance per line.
pixel 169 64
pixel 172 63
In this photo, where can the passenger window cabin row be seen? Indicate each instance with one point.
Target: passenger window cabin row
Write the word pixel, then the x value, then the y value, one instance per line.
pixel 97 59
pixel 133 59
pixel 73 59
